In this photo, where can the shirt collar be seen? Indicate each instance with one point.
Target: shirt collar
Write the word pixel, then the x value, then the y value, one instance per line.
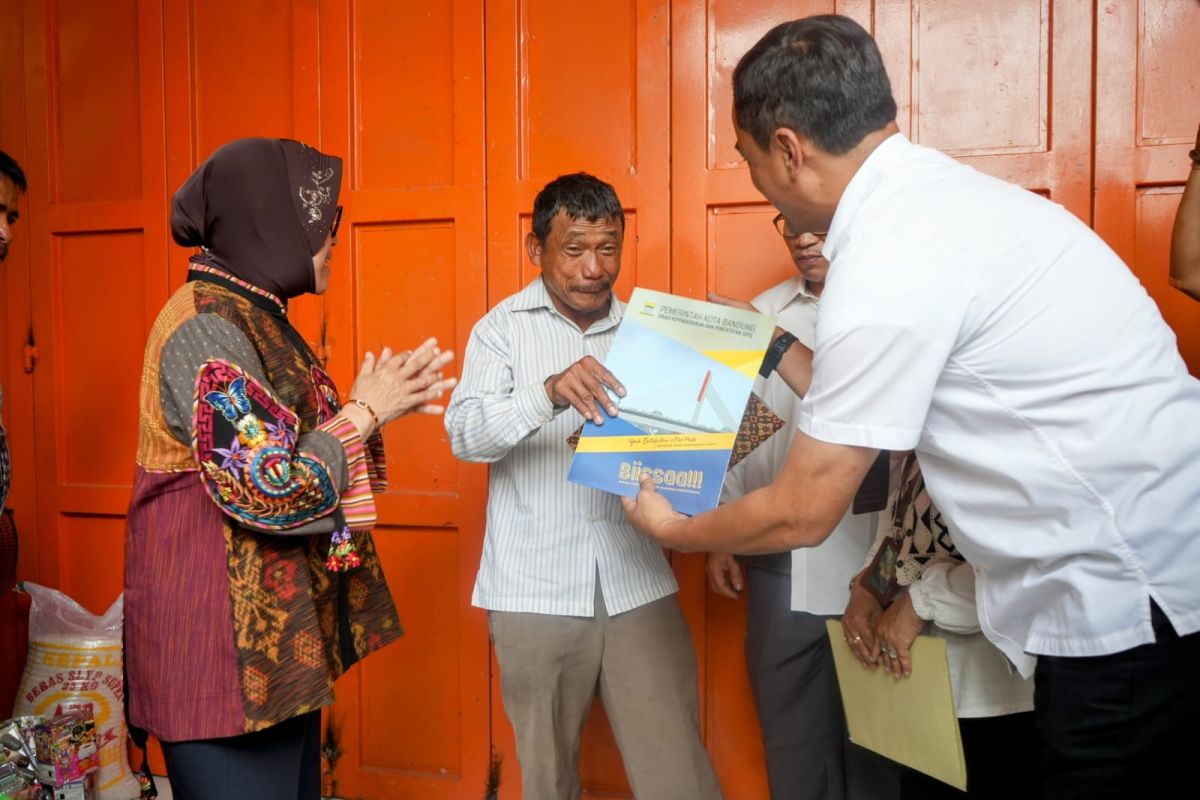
pixel 795 288
pixel 536 296
pixel 890 151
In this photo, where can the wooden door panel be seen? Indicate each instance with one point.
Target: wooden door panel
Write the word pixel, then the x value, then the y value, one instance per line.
pixel 566 111
pixel 254 66
pixel 1155 214
pixel 405 275
pixel 414 727
pixel 88 573
pixel 1147 108
pixel 998 72
pixel 96 416
pixel 721 240
pixel 96 139
pixel 402 101
pixel 98 236
pixel 1004 88
pixel 404 119
pixel 554 116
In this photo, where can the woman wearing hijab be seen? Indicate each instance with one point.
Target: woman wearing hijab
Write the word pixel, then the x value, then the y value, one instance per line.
pixel 251 580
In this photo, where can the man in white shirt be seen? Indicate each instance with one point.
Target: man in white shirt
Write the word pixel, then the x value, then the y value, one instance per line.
pixel 578 601
pixel 1053 418
pixel 790 595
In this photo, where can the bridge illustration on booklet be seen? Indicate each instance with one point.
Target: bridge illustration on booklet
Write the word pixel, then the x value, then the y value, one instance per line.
pixel 688 367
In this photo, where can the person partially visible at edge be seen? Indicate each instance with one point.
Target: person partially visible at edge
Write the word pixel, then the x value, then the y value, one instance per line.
pixel 791 594
pixel 251 579
pixel 12 186
pixel 916 582
pixel 999 337
pixel 578 602
pixel 1185 235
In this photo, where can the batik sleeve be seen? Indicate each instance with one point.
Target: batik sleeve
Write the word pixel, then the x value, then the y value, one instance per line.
pixel 253 460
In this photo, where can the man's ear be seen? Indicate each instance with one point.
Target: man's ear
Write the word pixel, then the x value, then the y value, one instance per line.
pixel 533 247
pixel 789 146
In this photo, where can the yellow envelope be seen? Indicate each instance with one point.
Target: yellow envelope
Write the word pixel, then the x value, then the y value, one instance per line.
pixel 910 720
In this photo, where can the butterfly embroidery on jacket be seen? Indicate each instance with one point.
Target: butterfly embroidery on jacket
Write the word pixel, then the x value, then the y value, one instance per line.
pixel 234 405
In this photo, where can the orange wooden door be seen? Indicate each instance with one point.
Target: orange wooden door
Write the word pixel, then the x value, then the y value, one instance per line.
pixel 402 101
pixel 107 147
pixel 576 86
pixel 1006 87
pixel 722 240
pixel 98 254
pixel 1147 109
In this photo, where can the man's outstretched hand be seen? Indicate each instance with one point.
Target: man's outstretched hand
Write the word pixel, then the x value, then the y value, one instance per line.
pixel 652 514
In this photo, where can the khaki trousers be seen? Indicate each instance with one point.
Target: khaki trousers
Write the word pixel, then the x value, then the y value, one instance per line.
pixel 644 667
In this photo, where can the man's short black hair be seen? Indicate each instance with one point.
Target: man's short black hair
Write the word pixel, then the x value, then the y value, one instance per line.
pixel 10 169
pixel 581 195
pixel 821 76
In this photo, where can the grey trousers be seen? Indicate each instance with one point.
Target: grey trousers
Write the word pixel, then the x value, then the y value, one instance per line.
pixel 644 667
pixel 799 708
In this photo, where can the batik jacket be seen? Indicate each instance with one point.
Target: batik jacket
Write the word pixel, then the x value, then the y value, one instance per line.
pixel 233 622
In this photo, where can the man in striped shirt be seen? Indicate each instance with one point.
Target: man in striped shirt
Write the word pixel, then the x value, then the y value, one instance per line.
pixel 577 600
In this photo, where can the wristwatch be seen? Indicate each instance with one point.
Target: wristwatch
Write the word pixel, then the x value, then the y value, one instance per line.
pixel 775 353
pixel 1194 155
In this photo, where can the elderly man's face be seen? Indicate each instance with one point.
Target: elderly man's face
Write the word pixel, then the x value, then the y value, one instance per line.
pixel 579 262
pixel 8 213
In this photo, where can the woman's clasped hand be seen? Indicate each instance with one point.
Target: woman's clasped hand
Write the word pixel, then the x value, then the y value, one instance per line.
pixel 394 384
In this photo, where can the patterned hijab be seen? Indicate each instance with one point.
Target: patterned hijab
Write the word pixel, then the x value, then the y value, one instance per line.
pixel 260 209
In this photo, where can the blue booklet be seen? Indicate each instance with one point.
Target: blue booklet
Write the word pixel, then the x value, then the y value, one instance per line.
pixel 688 367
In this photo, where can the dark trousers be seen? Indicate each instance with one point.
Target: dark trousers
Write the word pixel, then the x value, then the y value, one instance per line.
pixel 1002 762
pixel 1122 725
pixel 281 762
pixel 799 706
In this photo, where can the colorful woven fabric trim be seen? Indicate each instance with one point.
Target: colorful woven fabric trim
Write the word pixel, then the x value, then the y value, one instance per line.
pixel 244 441
pixel 250 287
pixel 358 503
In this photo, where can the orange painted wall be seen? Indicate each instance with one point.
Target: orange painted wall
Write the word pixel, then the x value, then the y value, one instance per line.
pixel 451 115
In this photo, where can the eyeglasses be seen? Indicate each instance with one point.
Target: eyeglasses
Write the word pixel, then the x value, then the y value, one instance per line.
pixel 781 225
pixel 337 222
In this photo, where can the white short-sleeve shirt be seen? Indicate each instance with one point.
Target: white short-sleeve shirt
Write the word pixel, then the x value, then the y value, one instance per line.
pixel 820 575
pixel 1054 420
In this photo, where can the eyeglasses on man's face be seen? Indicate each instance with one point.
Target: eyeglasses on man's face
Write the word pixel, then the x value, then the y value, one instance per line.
pixel 781 225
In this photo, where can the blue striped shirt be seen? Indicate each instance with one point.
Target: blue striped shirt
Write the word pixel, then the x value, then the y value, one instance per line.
pixel 546 539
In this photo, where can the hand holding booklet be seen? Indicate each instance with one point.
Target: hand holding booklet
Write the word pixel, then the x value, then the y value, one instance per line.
pixel 688 367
